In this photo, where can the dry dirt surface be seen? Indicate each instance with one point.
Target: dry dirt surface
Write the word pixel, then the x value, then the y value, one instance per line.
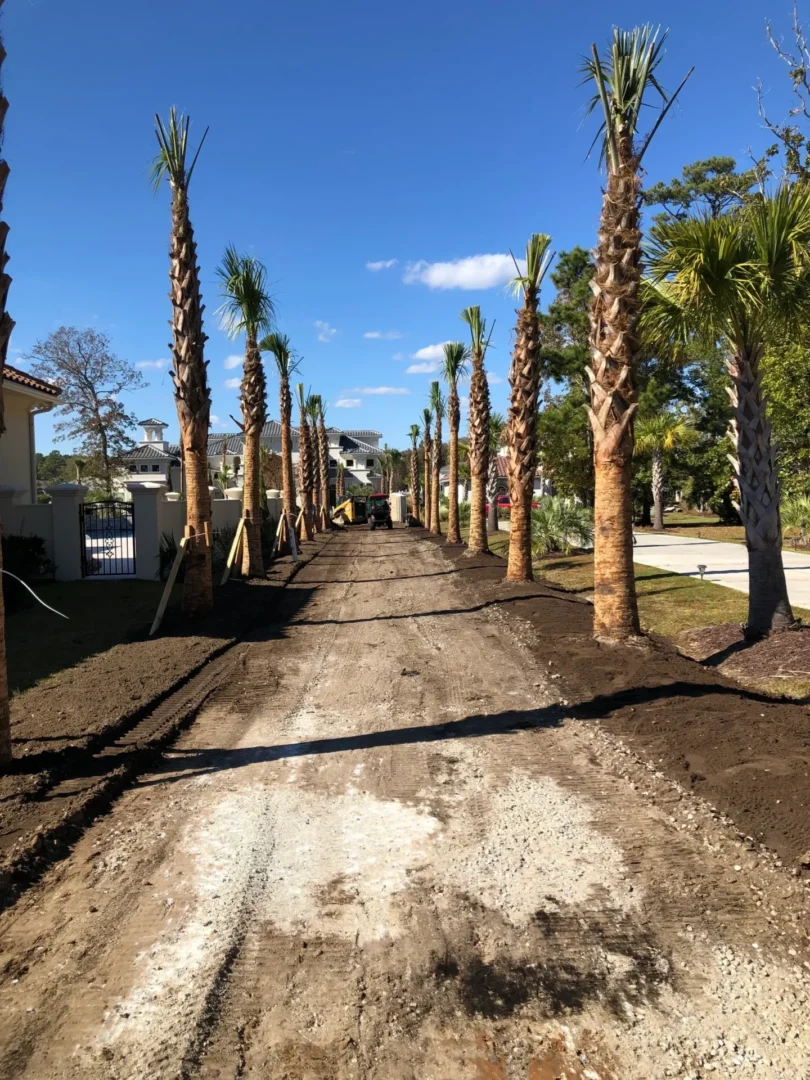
pixel 387 849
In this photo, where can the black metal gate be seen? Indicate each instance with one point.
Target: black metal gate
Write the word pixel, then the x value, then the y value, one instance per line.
pixel 108 538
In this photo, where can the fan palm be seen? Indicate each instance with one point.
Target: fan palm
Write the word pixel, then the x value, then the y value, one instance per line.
pixel 437 407
pixel 247 309
pixel 414 436
pixel 189 372
pixel 286 365
pixel 427 443
pixel 6 326
pixel 621 84
pixel 744 280
pixel 454 366
pixel 478 429
pixel 497 432
pixel 521 429
pixel 305 470
pixel 658 435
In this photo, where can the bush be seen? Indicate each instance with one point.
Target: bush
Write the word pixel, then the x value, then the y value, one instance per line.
pixel 464 513
pixel 795 512
pixel 560 525
pixel 27 558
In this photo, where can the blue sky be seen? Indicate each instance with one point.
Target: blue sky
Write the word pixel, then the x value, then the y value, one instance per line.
pixel 340 135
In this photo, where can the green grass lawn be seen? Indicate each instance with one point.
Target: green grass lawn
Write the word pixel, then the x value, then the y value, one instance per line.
pixel 668 603
pixel 100 614
pixel 703 526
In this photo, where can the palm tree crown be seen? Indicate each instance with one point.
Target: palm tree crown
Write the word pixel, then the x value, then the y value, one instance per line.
pixel 247 306
pixel 170 161
pixel 663 432
pixel 538 259
pixel 455 363
pixel 287 362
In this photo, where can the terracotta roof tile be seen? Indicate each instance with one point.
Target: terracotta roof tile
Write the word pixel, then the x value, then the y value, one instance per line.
pixel 22 378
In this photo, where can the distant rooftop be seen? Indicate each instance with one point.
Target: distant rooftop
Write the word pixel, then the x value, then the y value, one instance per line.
pixel 152 423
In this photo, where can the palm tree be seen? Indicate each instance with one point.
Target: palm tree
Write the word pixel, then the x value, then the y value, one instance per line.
pixel 521 428
pixel 658 435
pixel 621 84
pixel 497 431
pixel 414 435
pixel 478 433
pixel 286 365
pixel 323 458
pixel 247 309
pixel 6 326
pixel 427 443
pixel 385 466
pixel 305 470
pixel 340 486
pixel 454 367
pixel 743 279
pixel 437 407
pixel 189 375
pixel 313 408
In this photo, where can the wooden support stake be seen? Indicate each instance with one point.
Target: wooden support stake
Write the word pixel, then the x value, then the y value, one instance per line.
pixel 277 537
pixel 240 528
pixel 293 546
pixel 164 600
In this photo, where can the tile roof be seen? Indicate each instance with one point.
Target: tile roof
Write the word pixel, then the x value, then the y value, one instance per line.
pixel 272 430
pixel 234 443
pixel 145 452
pixel 151 422
pixel 22 378
pixel 364 433
pixel 355 445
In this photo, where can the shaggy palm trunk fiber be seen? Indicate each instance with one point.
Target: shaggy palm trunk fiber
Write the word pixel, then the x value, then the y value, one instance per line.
pixel 521 434
pixel 253 417
pixel 305 477
pixel 478 452
pixel 287 471
pixel 414 484
pixel 436 463
pixel 614 346
pixel 758 485
pixel 317 508
pixel 428 504
pixel 492 494
pixel 323 457
pixel 453 417
pixel 193 402
pixel 658 490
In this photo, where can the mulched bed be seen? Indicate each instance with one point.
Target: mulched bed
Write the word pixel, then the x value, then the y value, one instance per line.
pixel 745 752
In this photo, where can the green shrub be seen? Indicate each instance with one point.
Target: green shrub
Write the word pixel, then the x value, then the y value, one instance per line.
pixel 27 558
pixel 560 525
pixel 795 513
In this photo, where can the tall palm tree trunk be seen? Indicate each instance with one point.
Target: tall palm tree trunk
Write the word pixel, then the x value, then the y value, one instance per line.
pixel 614 344
pixel 492 494
pixel 478 451
pixel 414 482
pixel 305 476
pixel 758 485
pixel 657 467
pixel 435 490
pixel 428 445
pixel 521 433
pixel 6 326
pixel 193 401
pixel 253 417
pixel 317 507
pixel 453 416
pixel 323 456
pixel 287 472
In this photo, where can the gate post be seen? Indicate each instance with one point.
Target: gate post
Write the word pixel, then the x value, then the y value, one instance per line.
pixel 67 534
pixel 146 498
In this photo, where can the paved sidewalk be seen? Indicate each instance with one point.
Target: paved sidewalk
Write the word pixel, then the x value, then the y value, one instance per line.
pixel 726 564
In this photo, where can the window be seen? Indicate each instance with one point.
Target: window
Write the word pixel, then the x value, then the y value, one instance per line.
pixel 155 468
pixel 133 468
pixel 144 468
pixel 349 462
pixel 369 462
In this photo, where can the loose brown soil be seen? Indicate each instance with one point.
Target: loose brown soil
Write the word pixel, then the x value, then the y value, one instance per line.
pixel 395 843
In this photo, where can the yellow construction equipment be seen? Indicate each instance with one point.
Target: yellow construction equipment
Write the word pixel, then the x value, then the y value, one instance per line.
pixel 353 510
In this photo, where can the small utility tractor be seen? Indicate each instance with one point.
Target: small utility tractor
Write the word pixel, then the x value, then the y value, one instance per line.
pixel 379 512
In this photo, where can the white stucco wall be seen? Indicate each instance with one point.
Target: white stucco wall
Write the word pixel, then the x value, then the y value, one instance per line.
pixel 15 445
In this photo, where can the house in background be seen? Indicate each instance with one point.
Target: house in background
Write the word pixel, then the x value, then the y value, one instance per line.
pixel 153 459
pixel 25 397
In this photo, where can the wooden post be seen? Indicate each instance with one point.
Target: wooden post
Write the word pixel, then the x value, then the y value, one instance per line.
pixel 240 528
pixel 293 545
pixel 277 537
pixel 164 600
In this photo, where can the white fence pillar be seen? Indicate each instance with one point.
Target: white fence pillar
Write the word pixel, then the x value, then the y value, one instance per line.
pixel 67 534
pixel 146 500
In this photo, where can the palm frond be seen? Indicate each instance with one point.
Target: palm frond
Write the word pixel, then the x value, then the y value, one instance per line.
pixel 663 432
pixel 538 260
pixel 478 328
pixel 170 161
pixel 437 400
pixel 427 422
pixel 313 406
pixel 455 363
pixel 287 361
pixel 247 306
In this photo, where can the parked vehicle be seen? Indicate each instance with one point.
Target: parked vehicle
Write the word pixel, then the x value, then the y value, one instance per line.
pixel 379 511
pixel 504 502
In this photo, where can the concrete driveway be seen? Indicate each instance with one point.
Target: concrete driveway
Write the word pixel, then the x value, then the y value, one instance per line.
pixel 726 564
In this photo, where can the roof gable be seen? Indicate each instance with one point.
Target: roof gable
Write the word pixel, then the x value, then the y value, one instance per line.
pixel 22 378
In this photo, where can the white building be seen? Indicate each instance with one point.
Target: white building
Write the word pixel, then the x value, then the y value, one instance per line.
pixel 153 458
pixel 25 397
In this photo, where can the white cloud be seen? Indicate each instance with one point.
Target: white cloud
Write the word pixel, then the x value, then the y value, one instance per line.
pixel 398 356
pixel 348 402
pixel 475 272
pixel 383 335
pixel 493 379
pixel 214 419
pixel 383 264
pixel 233 384
pixel 430 352
pixel 426 368
pixel 381 390
pixel 325 331
pixel 158 365
pixel 233 361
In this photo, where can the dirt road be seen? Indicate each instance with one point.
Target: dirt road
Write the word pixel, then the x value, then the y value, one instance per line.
pixel 382 852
